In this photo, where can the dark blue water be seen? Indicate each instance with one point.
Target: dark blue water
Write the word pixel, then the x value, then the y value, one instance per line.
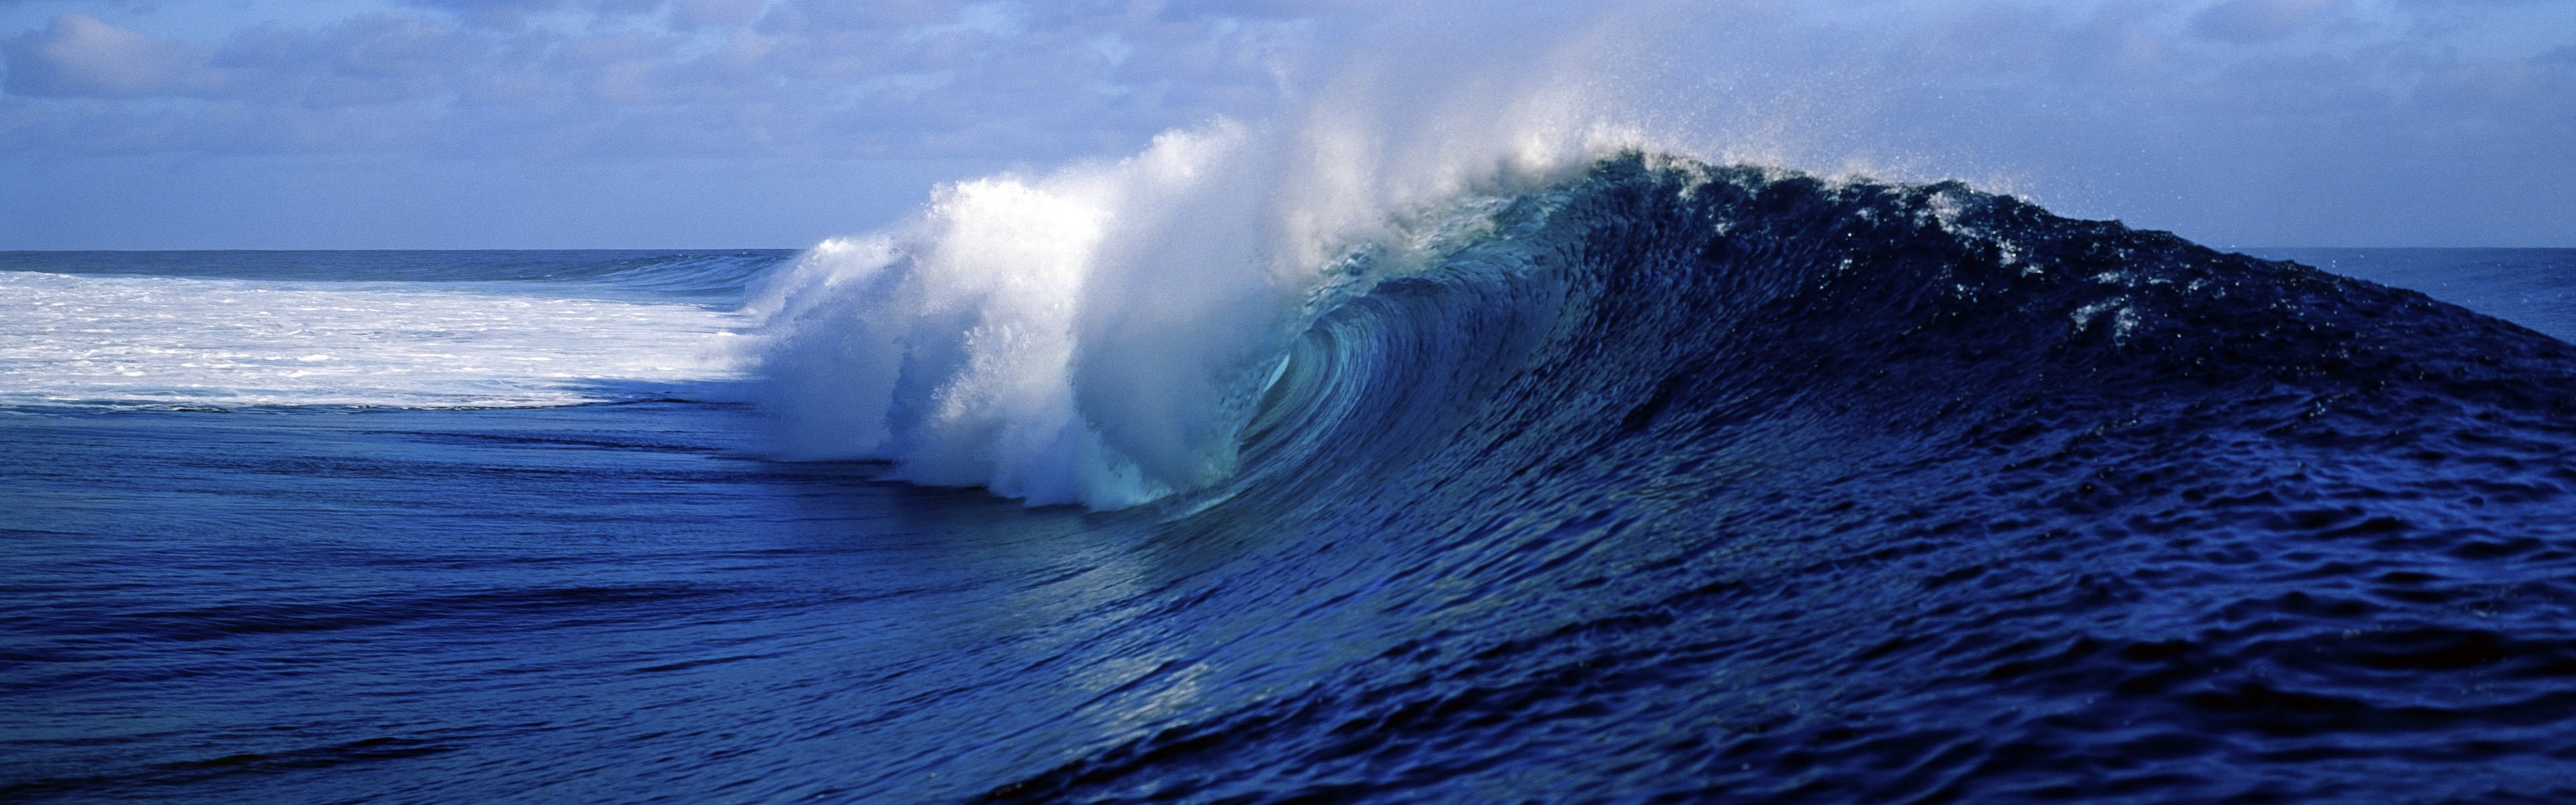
pixel 588 604
pixel 1732 488
pixel 2535 288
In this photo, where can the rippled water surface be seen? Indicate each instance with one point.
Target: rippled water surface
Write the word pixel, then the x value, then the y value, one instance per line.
pixel 1685 485
pixel 593 604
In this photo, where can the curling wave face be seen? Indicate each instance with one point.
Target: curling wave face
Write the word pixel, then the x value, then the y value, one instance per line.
pixel 1724 483
pixel 1104 334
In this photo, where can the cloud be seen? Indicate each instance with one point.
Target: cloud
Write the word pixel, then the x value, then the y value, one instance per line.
pixel 906 78
pixel 695 14
pixel 489 13
pixel 77 55
pixel 2385 116
pixel 1943 83
pixel 2260 20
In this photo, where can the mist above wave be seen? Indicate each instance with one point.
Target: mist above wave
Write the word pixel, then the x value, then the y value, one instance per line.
pixel 1101 333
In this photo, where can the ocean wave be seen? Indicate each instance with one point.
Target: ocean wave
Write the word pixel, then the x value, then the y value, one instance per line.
pixel 990 345
pixel 1738 484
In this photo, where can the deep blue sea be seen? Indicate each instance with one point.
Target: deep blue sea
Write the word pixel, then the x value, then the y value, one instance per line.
pixel 1667 484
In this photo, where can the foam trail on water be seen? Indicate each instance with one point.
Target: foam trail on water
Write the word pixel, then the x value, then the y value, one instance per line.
pixel 163 342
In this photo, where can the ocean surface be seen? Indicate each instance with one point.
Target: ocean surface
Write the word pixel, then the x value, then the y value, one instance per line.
pixel 1658 483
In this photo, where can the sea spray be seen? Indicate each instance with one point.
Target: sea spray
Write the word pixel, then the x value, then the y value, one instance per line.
pixel 1102 333
pixel 949 344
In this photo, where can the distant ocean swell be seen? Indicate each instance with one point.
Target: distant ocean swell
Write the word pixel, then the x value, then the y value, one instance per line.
pixel 1670 480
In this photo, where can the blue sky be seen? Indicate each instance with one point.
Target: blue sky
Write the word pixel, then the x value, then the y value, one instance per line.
pixel 775 123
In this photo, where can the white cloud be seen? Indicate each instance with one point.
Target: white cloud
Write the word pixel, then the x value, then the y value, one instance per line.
pixel 699 77
pixel 694 14
pixel 78 55
pixel 2260 20
pixel 2140 102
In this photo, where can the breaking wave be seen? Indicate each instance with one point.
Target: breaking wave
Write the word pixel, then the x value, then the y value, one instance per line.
pixel 1736 484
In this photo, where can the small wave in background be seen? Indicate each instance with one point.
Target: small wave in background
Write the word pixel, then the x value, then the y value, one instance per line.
pixel 2535 288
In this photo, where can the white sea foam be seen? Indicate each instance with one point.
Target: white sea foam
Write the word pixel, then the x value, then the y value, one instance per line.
pixel 1098 334
pixel 125 341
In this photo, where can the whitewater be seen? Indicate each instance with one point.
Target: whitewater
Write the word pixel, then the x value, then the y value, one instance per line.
pixel 354 329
